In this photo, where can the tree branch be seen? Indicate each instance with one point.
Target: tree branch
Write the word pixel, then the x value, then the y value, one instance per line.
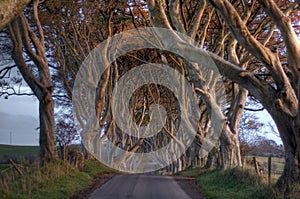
pixel 6 70
pixel 292 43
pixel 271 59
pixel 15 93
pixel 254 110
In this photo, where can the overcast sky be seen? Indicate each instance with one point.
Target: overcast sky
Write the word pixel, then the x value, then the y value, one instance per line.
pixel 19 116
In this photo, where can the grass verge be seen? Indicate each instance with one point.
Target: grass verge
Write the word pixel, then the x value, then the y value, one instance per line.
pixel 230 184
pixel 55 180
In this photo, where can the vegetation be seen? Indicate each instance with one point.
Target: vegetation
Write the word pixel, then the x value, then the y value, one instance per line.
pixel 234 183
pixel 54 180
pixel 231 183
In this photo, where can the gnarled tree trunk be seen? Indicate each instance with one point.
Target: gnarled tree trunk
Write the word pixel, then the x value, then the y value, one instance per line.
pixel 289 133
pixel 40 83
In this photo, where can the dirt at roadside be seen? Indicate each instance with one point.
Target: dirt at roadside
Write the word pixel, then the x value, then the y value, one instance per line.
pixel 189 185
pixel 97 182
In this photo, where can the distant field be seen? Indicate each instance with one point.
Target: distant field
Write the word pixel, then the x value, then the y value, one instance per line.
pixel 18 152
pixel 277 163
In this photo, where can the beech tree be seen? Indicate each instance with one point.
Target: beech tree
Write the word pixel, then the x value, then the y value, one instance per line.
pixel 28 35
pixel 66 132
pixel 279 92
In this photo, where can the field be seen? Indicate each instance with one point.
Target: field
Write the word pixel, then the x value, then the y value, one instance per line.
pixel 18 153
pixel 277 166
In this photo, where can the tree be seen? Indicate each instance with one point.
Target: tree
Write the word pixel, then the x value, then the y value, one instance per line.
pixel 280 91
pixel 265 147
pixel 249 127
pixel 282 100
pixel 66 132
pixel 31 38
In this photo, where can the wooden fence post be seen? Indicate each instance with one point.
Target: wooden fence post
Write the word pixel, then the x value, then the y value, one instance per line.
pixel 256 165
pixel 15 166
pixel 269 169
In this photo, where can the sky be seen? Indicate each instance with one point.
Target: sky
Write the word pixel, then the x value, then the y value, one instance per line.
pixel 19 120
pixel 266 118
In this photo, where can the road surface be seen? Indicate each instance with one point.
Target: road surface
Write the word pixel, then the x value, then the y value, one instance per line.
pixel 140 187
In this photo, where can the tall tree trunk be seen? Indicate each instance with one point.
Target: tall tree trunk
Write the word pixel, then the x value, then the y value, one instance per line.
pixel 231 154
pixel 230 149
pixel 48 150
pixel 290 138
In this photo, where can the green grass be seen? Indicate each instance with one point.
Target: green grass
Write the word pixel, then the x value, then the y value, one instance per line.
pixel 94 167
pixel 194 172
pixel 55 180
pixel 230 184
pixel 59 180
pixel 19 152
pixel 4 167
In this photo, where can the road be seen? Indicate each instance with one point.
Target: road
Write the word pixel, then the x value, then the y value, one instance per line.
pixel 140 187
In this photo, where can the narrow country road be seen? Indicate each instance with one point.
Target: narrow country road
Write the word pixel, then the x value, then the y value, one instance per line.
pixel 140 187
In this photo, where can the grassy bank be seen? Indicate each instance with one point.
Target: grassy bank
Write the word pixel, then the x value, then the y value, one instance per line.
pixel 229 184
pixel 59 180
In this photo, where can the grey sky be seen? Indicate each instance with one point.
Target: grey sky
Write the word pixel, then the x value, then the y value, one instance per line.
pixel 19 115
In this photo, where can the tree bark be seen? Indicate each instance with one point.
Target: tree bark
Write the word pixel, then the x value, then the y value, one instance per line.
pixel 10 9
pixel 290 138
pixel 48 150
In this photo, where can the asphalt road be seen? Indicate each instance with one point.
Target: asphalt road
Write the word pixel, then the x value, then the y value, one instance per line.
pixel 140 187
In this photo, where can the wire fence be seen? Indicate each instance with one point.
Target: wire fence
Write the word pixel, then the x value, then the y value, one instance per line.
pixel 270 168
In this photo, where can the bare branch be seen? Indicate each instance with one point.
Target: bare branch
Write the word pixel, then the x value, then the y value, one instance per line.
pixel 38 23
pixel 253 109
pixel 176 16
pixel 283 22
pixel 14 93
pixel 6 70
